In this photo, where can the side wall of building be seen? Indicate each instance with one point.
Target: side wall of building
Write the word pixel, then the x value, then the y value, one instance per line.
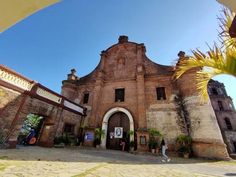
pixel 20 97
pixel 15 107
pixel 225 113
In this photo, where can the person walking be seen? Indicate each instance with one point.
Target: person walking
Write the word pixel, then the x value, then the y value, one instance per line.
pixel 123 144
pixel 163 151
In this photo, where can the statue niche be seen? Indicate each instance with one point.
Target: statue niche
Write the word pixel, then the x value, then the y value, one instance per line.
pixel 120 63
pixel 120 66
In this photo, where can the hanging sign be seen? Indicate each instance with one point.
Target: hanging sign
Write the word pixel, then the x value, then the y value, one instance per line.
pixel 118 132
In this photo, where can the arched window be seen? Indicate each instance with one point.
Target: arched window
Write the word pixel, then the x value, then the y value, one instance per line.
pixel 228 123
pixel 220 104
pixel 86 98
pixel 214 91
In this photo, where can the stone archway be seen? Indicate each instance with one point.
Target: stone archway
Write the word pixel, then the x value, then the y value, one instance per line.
pixel 106 118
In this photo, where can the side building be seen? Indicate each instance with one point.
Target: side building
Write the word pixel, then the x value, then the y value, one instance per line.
pixel 21 97
pixel 225 113
pixel 128 91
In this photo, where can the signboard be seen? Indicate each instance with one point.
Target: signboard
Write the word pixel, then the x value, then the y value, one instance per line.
pixel 111 135
pixel 44 93
pixel 143 140
pixel 88 136
pixel 118 132
pixel 73 106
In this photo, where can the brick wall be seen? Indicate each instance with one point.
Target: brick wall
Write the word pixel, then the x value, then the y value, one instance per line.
pixel 125 65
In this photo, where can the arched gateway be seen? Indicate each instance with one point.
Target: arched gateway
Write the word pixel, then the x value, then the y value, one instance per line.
pixel 109 115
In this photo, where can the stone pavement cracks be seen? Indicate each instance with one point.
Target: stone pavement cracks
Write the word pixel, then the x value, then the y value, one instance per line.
pixel 91 162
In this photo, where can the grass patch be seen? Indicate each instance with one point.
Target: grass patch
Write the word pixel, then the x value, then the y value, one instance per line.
pixel 3 157
pixel 89 171
pixel 2 167
pixel 231 162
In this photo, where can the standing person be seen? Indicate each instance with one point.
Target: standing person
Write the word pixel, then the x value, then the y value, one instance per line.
pixel 122 144
pixel 163 151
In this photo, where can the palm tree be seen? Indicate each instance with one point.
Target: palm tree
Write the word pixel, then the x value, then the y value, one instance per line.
pixel 216 61
pixel 99 133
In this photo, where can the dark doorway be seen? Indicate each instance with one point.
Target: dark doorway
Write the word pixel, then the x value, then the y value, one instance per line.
pixel 234 146
pixel 31 129
pixel 118 119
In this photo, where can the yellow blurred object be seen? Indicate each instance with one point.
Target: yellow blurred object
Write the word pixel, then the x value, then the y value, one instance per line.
pixel 231 4
pixel 13 11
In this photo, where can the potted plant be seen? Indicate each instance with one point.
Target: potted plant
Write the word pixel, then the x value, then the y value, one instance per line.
pixel 99 133
pixel 184 145
pixel 131 146
pixel 130 133
pixel 154 136
pixel 152 145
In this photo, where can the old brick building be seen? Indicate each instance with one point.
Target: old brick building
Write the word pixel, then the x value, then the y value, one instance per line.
pixel 20 96
pixel 130 91
pixel 225 113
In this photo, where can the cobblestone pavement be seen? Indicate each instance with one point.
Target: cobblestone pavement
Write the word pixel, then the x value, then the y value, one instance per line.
pixel 90 162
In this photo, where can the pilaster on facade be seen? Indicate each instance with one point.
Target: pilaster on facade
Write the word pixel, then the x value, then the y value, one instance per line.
pixel 141 104
pixel 97 94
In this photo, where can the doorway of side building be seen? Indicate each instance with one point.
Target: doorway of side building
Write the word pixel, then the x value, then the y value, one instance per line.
pixel 234 143
pixel 69 133
pixel 118 122
pixel 31 130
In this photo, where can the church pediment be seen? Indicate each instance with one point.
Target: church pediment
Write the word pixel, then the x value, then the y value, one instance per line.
pixel 121 61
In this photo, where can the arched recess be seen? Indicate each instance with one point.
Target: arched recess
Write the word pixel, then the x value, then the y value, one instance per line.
pixel 106 118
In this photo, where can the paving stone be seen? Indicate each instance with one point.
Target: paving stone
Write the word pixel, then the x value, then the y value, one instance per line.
pixel 104 163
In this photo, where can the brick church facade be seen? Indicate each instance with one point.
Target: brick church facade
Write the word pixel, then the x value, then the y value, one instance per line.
pixel 130 91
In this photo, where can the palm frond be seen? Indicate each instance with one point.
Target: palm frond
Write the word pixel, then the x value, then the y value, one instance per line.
pixel 230 61
pixel 213 63
pixel 225 23
pixel 202 78
pixel 213 59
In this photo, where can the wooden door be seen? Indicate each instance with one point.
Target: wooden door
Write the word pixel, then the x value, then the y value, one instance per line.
pixel 119 119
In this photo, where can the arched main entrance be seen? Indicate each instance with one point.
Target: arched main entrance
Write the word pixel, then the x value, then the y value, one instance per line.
pixel 116 121
pixel 116 117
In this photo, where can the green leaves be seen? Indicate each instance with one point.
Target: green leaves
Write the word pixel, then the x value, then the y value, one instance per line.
pixel 154 133
pixel 99 133
pixel 31 121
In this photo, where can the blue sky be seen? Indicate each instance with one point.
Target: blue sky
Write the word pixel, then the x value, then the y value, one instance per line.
pixel 71 34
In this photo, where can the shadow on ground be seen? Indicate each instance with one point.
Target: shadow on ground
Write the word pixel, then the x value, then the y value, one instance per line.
pixel 81 154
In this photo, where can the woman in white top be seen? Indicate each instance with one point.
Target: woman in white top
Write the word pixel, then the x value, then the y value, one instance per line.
pixel 163 150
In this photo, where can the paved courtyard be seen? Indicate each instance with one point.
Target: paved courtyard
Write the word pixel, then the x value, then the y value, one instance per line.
pixel 67 162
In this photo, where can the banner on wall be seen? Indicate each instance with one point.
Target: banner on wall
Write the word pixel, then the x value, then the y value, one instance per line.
pixel 118 132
